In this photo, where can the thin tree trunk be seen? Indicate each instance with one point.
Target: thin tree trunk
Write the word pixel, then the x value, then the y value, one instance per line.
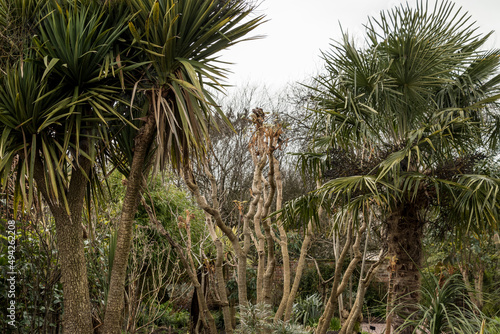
pixel 77 317
pixel 336 253
pixel 298 272
pixel 339 285
pixel 286 305
pixel 355 313
pixel 478 284
pixel 271 264
pixel 404 241
pixel 115 303
pixel 215 213
pixel 465 275
pixel 221 284
pixel 283 242
pixel 187 261
pixel 390 296
pixel 271 258
pixel 260 245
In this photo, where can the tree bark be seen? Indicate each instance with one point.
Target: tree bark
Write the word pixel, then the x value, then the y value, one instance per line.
pixel 271 257
pixel 298 272
pixel 214 211
pixel 404 242
pixel 478 284
pixel 355 313
pixel 77 317
pixel 115 303
pixel 340 284
pixel 283 242
pixel 221 284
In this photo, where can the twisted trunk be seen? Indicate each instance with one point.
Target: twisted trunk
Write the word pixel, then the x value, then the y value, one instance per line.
pixel 214 211
pixel 271 257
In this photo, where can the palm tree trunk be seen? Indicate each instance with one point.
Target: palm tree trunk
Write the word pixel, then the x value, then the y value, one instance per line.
pixel 115 302
pixel 404 241
pixel 77 317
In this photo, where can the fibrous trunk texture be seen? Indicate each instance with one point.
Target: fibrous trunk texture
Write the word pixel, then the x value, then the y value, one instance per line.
pixel 77 317
pixel 115 302
pixel 404 242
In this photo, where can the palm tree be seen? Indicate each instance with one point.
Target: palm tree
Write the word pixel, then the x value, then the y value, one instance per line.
pixel 55 103
pixel 175 45
pixel 403 123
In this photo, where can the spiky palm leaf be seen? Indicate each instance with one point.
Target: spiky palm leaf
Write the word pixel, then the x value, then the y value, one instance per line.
pixel 61 98
pixel 415 110
pixel 181 41
pixel 421 95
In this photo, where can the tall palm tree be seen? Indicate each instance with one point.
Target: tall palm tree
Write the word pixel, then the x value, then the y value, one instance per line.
pixel 175 45
pixel 403 122
pixel 55 103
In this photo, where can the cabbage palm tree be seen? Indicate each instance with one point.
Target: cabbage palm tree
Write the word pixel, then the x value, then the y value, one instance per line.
pixel 175 45
pixel 404 123
pixel 55 103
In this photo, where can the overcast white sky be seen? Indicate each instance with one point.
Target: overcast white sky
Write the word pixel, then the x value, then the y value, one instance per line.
pixel 298 29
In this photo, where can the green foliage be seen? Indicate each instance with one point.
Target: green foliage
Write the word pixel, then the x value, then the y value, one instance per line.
pixel 258 319
pixel 471 254
pixel 177 43
pixel 168 202
pixel 219 319
pixel 421 97
pixel 254 318
pixel 38 289
pixel 445 308
pixel 491 293
pixel 285 327
pixel 335 324
pixel 374 302
pixel 493 326
pixel 310 283
pixel 174 318
pixel 98 256
pixel 55 102
pixel 307 311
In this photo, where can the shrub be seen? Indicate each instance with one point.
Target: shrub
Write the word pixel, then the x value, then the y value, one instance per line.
pixel 285 327
pixel 173 318
pixel 445 308
pixel 308 310
pixel 254 318
pixel 335 324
